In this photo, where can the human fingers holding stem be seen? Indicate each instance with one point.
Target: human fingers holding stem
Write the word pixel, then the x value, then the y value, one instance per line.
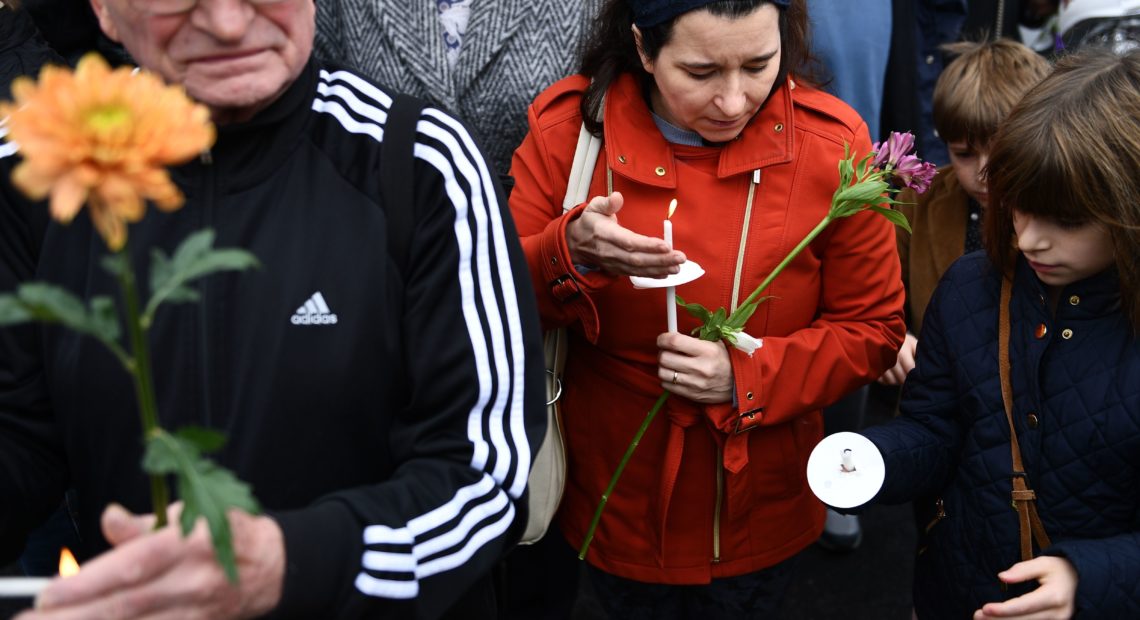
pixel 896 375
pixel 153 574
pixel 597 240
pixel 1054 598
pixel 698 370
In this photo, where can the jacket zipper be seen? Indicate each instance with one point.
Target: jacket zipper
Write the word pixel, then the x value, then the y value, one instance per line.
pixel 209 188
pixel 743 240
pixel 719 501
pixel 735 298
pixel 999 23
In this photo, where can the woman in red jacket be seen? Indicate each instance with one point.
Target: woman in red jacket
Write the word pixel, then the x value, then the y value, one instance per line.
pixel 697 103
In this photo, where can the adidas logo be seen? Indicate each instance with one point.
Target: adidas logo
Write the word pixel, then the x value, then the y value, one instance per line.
pixel 314 312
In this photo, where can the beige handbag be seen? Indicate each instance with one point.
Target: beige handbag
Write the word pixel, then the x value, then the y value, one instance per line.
pixel 548 470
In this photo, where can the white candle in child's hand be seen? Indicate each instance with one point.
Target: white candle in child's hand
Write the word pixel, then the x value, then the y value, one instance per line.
pixel 670 291
pixel 22 587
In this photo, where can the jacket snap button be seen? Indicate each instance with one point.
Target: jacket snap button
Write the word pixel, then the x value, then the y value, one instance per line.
pixel 1066 334
pixel 1032 419
pixel 553 260
pixel 1074 300
pixel 748 396
pixel 1041 331
pixel 779 127
pixel 621 159
pixel 660 171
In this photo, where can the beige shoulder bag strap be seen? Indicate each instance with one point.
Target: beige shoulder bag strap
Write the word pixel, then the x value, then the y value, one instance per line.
pixel 548 469
pixel 1024 499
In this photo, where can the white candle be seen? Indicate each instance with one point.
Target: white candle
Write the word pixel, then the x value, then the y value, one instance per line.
pixel 22 587
pixel 670 291
pixel 847 464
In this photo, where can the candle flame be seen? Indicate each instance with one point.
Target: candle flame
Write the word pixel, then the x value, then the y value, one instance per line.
pixel 67 564
pixel 672 208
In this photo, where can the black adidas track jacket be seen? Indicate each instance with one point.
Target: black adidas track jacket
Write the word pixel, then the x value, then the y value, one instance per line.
pixel 388 423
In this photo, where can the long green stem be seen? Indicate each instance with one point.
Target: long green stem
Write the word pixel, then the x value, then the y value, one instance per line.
pixel 787 259
pixel 144 383
pixel 617 473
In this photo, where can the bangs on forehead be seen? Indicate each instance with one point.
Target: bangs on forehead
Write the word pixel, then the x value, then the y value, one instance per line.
pixel 1036 170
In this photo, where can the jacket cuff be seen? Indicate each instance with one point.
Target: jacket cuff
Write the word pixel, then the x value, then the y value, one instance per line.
pixel 563 281
pixel 319 560
pixel 750 397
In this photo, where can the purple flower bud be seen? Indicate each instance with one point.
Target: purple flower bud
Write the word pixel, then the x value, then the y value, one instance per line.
pixel 915 173
pixel 891 152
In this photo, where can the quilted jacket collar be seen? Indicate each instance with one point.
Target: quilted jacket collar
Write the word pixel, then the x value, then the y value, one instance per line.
pixel 636 148
pixel 1097 296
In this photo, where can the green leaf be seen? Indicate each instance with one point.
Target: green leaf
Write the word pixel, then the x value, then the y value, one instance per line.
pixel 894 216
pixel 114 264
pixel 48 302
pixel 207 490
pixel 194 258
pixel 864 192
pixel 204 439
pixel 863 163
pixel 104 317
pixel 13 311
pixel 741 315
pixel 702 313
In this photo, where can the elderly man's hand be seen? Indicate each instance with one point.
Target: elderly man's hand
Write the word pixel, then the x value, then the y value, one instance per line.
pixel 160 574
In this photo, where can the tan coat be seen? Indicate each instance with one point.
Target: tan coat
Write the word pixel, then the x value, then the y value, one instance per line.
pixel 938 219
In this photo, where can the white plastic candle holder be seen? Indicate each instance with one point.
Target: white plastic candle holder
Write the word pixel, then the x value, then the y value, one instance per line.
pixel 689 271
pixel 845 470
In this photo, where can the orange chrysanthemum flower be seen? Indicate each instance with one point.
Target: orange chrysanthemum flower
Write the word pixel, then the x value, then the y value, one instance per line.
pixel 103 137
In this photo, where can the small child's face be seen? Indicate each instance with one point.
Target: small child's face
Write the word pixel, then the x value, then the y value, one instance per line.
pixel 1061 253
pixel 969 161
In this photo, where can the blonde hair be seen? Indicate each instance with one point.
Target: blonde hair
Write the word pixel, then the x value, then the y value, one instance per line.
pixel 980 86
pixel 1070 152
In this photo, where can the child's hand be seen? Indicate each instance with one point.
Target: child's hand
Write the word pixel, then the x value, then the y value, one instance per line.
pixel 897 374
pixel 1053 599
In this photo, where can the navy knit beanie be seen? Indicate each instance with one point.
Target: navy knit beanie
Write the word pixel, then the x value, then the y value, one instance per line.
pixel 649 13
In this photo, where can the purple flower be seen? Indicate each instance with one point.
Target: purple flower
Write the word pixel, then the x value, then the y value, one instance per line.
pixel 891 152
pixel 915 173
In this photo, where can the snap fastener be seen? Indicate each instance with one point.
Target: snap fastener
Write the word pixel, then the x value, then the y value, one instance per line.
pixel 660 171
pixel 1041 331
pixel 621 159
pixel 748 396
pixel 1066 333
pixel 1031 419
pixel 779 127
pixel 1074 300
pixel 553 260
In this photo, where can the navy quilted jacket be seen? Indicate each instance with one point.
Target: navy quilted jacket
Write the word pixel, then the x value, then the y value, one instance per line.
pixel 1076 386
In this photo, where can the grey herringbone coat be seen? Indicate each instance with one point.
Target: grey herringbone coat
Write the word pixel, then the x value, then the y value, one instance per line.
pixel 513 50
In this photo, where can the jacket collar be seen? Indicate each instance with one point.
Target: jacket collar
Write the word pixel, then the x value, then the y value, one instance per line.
pixel 637 150
pixel 1097 296
pixel 414 31
pixel 251 151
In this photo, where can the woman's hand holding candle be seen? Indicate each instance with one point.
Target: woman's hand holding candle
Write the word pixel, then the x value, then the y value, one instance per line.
pixel 597 240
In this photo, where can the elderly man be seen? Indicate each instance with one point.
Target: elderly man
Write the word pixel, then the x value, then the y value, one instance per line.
pixel 390 445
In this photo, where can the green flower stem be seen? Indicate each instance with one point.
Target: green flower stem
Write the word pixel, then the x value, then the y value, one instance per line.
pixel 144 383
pixel 617 473
pixel 787 259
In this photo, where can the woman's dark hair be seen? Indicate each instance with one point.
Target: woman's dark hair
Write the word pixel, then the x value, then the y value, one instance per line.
pixel 1070 152
pixel 610 50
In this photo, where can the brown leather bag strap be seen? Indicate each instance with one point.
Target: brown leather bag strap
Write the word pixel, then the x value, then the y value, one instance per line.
pixel 1023 496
